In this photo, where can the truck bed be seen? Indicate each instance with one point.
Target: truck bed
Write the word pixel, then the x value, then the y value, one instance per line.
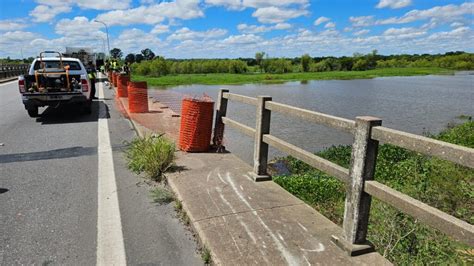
pixel 52 83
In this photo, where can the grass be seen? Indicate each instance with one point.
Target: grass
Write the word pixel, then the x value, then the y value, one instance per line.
pixel 399 237
pixel 206 255
pixel 151 155
pixel 161 195
pixel 224 78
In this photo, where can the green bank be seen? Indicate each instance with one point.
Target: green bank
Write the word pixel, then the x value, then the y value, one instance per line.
pixel 399 237
pixel 266 78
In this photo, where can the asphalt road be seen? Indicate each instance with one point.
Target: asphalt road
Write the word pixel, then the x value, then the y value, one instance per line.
pixel 49 172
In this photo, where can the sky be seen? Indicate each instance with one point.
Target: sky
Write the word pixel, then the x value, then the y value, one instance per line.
pixel 238 28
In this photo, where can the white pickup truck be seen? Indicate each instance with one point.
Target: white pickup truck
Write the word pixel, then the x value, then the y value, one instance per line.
pixel 54 81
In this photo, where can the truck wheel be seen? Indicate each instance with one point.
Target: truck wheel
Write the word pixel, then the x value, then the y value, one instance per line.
pixel 33 111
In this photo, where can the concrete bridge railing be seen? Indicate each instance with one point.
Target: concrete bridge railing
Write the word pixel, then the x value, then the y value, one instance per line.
pixel 9 71
pixel 359 178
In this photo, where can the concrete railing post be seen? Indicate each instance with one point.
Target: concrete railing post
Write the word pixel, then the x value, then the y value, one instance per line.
pixel 221 111
pixel 357 205
pixel 260 155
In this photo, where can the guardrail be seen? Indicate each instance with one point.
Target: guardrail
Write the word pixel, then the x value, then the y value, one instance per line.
pixel 9 71
pixel 360 186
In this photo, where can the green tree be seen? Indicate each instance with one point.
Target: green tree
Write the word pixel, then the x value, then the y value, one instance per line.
pixel 259 58
pixel 139 58
pixel 116 53
pixel 130 58
pixel 305 62
pixel 148 54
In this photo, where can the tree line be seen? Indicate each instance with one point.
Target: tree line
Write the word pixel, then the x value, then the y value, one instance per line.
pixel 147 63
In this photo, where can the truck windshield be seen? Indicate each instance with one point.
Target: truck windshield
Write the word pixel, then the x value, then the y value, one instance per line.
pixel 56 64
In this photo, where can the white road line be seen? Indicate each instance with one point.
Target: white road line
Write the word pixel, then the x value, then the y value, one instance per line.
pixel 110 246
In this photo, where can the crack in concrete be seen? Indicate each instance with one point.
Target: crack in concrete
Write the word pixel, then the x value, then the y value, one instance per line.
pixel 246 211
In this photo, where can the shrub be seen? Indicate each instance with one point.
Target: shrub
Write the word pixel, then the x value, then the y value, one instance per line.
pixel 152 155
pixel 397 236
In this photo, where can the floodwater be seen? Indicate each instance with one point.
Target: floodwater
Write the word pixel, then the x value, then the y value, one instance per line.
pixel 418 105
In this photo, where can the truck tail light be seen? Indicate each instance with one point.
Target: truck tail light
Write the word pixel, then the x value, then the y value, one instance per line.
pixel 85 85
pixel 21 85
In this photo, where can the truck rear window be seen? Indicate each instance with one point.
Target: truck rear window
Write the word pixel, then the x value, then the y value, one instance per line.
pixel 56 64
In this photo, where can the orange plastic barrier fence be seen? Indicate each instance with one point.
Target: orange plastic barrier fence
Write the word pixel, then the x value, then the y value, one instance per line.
pixel 122 89
pixel 114 79
pixel 137 97
pixel 196 125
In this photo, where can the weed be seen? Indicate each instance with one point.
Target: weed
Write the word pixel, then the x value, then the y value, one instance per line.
pixel 161 195
pixel 152 155
pixel 178 206
pixel 185 218
pixel 206 255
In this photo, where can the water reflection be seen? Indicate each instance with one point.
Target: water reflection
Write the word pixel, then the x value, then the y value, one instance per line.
pixel 414 104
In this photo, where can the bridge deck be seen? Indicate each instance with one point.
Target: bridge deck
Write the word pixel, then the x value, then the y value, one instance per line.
pixel 243 222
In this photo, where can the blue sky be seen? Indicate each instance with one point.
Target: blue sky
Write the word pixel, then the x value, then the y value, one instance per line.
pixel 238 28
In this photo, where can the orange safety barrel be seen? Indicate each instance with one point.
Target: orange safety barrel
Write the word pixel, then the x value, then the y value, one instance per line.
pixel 137 97
pixel 196 125
pixel 122 90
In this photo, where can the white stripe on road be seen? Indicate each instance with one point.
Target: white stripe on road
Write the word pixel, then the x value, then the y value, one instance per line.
pixel 110 246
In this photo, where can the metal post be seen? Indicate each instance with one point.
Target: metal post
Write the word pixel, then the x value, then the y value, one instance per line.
pixel 357 205
pixel 221 111
pixel 260 155
pixel 107 31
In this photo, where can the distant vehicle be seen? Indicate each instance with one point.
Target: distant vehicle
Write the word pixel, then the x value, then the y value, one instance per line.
pixel 54 81
pixel 84 54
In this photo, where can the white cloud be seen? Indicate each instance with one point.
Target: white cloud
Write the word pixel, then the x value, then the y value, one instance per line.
pixel 187 34
pixel 230 4
pixel 459 33
pixel 456 24
pixel 243 39
pixel 102 4
pixel 403 33
pixel 277 15
pixel 361 32
pixel 437 15
pixel 445 13
pixel 16 38
pixel 268 3
pixel 181 9
pixel 79 26
pixel 44 13
pixel 362 21
pixel 249 29
pixel 393 3
pixel 159 29
pixel 242 4
pixel 330 25
pixel 282 26
pixel 253 28
pixel 137 15
pixel 321 20
pixel 127 41
pixel 12 25
pixel 47 10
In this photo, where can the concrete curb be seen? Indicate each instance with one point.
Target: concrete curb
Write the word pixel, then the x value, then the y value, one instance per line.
pixel 8 80
pixel 142 131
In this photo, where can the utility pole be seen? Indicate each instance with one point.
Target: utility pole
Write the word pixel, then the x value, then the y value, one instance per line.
pixel 107 31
